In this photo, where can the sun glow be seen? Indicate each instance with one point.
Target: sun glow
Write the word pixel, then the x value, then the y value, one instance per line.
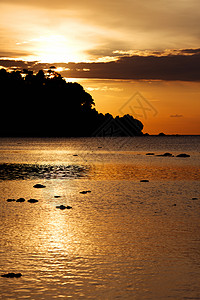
pixel 55 49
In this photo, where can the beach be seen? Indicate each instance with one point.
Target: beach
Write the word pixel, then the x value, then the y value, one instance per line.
pixel 132 230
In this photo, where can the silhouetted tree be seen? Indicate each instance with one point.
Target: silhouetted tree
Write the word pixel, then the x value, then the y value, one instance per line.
pixel 46 105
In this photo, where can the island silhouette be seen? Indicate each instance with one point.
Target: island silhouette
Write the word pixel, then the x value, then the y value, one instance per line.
pixel 45 105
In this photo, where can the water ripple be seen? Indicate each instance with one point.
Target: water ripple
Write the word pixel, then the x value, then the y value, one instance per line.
pixel 35 171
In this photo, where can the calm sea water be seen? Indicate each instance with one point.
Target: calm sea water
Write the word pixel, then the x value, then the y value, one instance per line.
pixel 125 239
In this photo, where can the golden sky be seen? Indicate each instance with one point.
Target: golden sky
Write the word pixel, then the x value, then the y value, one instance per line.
pixel 150 46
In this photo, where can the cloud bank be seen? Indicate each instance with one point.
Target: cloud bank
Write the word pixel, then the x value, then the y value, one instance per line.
pixel 182 65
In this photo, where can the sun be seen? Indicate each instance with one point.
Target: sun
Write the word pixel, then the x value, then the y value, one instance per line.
pixel 55 49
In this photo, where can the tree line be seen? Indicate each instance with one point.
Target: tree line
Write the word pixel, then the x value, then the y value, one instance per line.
pixel 44 104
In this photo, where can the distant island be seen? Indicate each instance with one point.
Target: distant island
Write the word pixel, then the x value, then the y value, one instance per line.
pixel 45 105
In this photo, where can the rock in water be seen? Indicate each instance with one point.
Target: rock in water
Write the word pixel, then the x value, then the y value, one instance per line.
pixel 12 275
pixel 39 186
pixel 85 192
pixel 10 200
pixel 68 207
pixel 167 154
pixel 21 200
pixel 183 155
pixel 32 201
pixel 63 207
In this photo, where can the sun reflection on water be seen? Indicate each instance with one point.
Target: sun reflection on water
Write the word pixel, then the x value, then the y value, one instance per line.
pixel 125 239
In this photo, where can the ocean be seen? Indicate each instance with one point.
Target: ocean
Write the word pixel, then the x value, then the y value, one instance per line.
pixel 133 229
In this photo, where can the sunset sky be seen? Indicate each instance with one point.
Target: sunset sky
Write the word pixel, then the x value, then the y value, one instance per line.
pixel 132 56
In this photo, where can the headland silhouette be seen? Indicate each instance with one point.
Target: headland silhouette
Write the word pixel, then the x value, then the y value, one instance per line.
pixel 45 105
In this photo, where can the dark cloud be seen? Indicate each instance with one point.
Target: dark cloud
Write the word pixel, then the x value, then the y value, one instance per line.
pixel 19 64
pixel 191 51
pixel 168 67
pixel 176 116
pixel 138 67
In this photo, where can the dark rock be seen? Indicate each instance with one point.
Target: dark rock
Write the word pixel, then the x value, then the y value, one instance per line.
pixel 12 275
pixel 69 207
pixel 144 180
pixel 63 207
pixel 167 154
pixel 57 196
pixel 161 134
pixel 174 204
pixel 39 186
pixel 85 192
pixel 194 198
pixel 21 200
pixel 183 155
pixel 75 154
pixel 10 200
pixel 32 201
pixel 150 153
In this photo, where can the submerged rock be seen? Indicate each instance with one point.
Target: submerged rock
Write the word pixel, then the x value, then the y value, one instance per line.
pixel 39 186
pixel 32 200
pixel 12 275
pixel 183 155
pixel 20 200
pixel 64 207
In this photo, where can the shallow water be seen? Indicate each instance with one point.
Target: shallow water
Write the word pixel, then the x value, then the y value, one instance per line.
pixel 125 240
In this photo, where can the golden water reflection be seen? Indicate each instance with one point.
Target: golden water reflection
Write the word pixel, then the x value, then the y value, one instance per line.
pixel 136 172
pixel 125 239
